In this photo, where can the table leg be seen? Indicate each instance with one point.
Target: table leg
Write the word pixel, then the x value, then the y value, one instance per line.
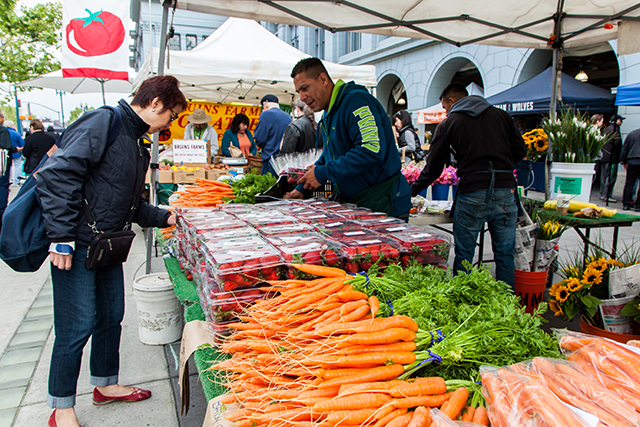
pixel 481 245
pixel 614 248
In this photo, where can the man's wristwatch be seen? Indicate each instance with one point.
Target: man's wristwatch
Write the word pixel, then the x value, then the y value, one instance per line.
pixel 62 248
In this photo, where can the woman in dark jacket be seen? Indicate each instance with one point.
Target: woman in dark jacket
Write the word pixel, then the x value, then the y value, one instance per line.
pixel 239 136
pixel 36 146
pixel 407 136
pixel 90 302
pixel 300 135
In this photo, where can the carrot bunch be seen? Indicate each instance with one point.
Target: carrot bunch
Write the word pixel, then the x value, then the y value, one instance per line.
pixel 574 387
pixel 611 365
pixel 316 354
pixel 204 193
pixel 519 400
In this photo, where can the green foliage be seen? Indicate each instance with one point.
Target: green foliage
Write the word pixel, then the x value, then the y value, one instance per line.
pixel 28 40
pixel 9 110
pixel 77 112
pixel 632 309
pixel 480 318
pixel 253 183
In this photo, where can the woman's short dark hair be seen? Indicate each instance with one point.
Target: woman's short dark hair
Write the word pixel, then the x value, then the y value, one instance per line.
pixel 404 117
pixel 165 88
pixel 36 124
pixel 237 120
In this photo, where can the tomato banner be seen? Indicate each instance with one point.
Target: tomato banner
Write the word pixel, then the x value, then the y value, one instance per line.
pixel 221 116
pixel 94 39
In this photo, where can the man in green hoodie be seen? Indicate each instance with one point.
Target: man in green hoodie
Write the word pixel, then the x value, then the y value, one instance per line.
pixel 359 155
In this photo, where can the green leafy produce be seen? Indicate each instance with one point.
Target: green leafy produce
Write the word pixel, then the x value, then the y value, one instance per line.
pixel 246 188
pixel 482 322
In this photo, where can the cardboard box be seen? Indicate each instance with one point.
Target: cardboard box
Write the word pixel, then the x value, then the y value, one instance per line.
pixel 187 177
pixel 163 177
pixel 214 174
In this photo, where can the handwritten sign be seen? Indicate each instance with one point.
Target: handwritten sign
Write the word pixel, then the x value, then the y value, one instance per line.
pixel 190 151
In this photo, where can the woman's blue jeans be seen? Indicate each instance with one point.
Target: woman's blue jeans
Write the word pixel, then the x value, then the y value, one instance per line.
pixel 498 209
pixel 86 303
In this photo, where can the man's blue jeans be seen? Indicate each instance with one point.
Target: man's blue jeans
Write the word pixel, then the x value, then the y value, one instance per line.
pixel 86 303
pixel 498 209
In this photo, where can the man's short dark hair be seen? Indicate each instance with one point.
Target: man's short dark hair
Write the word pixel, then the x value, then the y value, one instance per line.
pixel 312 67
pixel 36 124
pixel 454 90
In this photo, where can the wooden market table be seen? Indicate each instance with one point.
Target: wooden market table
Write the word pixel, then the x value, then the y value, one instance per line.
pixel 616 221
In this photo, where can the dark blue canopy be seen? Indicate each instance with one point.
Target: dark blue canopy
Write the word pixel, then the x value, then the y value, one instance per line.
pixel 628 95
pixel 534 96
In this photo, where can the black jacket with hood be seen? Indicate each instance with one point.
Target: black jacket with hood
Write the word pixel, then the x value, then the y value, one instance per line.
pixel 476 133
pixel 112 180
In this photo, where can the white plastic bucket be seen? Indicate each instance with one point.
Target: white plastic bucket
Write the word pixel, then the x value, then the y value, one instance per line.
pixel 160 314
pixel 572 179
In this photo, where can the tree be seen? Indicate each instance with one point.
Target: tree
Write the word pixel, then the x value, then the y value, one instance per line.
pixel 28 40
pixel 9 110
pixel 77 112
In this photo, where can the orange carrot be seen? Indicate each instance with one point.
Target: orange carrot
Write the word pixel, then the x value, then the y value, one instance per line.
pixel 366 387
pixel 375 305
pixel 318 270
pixel 378 324
pixel 430 401
pixel 356 401
pixel 480 416
pixel 435 385
pixel 358 416
pixel 456 403
pixel 401 421
pixel 420 417
pixel 350 296
pixel 358 349
pixel 391 416
pixel 381 373
pixel 468 414
pixel 386 336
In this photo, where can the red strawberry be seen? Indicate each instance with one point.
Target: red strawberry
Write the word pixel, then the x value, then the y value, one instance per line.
pixel 375 254
pixel 268 270
pixel 405 260
pixel 351 267
pixel 226 306
pixel 382 264
pixel 365 265
pixel 291 274
pixel 189 276
pixel 272 276
pixel 229 286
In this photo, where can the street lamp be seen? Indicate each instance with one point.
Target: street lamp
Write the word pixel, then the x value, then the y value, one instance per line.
pixel 59 92
pixel 44 106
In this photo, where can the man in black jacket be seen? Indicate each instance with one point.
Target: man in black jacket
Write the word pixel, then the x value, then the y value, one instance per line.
pixel 6 150
pixel 610 158
pixel 486 145
pixel 630 159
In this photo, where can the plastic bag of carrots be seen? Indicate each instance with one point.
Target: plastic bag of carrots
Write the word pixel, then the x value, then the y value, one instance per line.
pixel 519 400
pixel 576 388
pixel 440 419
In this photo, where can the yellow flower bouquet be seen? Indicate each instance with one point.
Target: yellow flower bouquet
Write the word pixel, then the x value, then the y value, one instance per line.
pixel 537 142
pixel 582 288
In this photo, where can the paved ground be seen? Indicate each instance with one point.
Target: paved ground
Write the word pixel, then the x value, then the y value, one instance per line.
pixel 26 341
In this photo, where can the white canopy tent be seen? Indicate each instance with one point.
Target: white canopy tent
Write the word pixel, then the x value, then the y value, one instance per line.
pixel 241 62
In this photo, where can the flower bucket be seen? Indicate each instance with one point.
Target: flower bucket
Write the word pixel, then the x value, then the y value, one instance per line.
pixel 573 179
pixel 530 286
pixel 440 192
pixel 592 330
pixel 454 190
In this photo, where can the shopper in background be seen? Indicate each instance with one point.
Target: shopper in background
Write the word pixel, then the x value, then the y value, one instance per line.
pixel 486 145
pixel 52 133
pixel 300 135
pixel 199 128
pixel 270 130
pixel 18 143
pixel 610 159
pixel 407 136
pixel 36 146
pixel 6 150
pixel 239 136
pixel 89 302
pixel 630 159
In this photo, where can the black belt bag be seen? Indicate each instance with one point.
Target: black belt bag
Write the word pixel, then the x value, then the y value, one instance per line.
pixel 107 249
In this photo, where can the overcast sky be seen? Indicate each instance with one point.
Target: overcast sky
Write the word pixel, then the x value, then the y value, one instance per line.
pixel 48 97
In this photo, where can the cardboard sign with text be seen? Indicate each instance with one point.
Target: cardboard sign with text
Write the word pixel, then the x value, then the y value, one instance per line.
pixel 190 151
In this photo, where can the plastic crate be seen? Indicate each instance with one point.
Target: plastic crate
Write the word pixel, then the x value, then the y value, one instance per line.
pixel 243 267
pixel 362 251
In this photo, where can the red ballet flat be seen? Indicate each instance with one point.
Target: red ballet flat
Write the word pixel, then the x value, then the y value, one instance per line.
pixel 52 420
pixel 137 395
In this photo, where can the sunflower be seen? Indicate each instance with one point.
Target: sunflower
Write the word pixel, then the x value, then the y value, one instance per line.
pixel 555 307
pixel 592 277
pixel 573 284
pixel 541 144
pixel 599 265
pixel 561 294
pixel 554 288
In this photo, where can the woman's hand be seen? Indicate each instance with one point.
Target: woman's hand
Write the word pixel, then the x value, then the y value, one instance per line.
pixel 63 262
pixel 171 220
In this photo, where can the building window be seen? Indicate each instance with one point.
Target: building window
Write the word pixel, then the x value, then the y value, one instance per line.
pixel 174 42
pixel 294 38
pixel 204 38
pixel 319 43
pixel 271 26
pixel 350 42
pixel 191 41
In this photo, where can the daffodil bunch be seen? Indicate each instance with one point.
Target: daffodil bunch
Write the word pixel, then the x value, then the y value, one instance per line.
pixel 574 294
pixel 537 142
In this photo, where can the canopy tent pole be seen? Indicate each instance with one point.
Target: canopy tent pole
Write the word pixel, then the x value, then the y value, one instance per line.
pixel 153 170
pixel 104 99
pixel 555 83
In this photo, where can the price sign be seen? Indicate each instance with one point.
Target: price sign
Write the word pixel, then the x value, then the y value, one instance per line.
pixel 190 151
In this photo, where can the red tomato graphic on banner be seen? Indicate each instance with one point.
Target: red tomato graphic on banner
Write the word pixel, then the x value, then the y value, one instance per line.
pixel 165 134
pixel 98 34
